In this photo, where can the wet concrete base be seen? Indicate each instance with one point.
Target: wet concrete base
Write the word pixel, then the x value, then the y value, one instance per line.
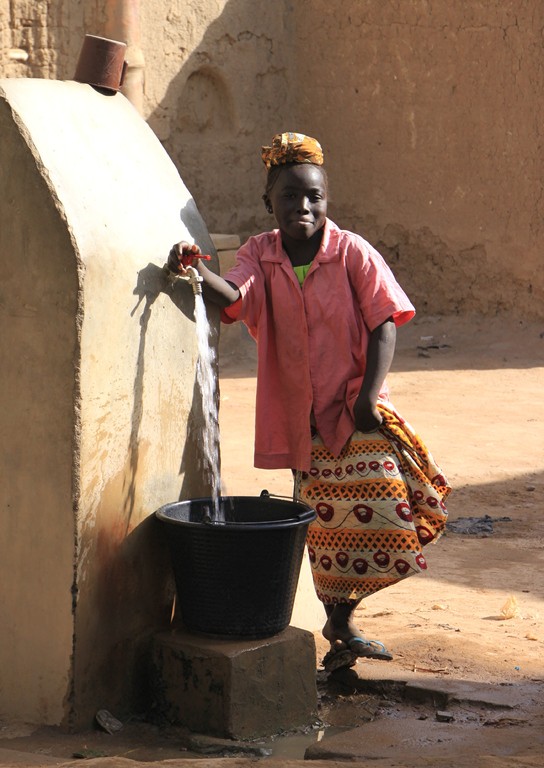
pixel 456 744
pixel 235 689
pixel 408 719
pixel 375 716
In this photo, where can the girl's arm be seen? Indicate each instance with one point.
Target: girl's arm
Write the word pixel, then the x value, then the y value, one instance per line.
pixel 215 288
pixel 381 349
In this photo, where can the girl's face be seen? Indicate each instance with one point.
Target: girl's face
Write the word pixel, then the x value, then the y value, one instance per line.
pixel 299 201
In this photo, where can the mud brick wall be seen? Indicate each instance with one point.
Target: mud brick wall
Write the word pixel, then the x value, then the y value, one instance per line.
pixel 430 113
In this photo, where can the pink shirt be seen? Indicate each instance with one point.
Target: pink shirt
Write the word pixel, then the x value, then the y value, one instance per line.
pixel 311 340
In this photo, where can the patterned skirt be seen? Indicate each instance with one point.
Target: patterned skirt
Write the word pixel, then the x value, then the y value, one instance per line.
pixel 378 504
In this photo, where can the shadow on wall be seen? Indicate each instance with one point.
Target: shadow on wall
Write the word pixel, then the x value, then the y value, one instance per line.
pixel 152 281
pixel 436 287
pixel 130 559
pixel 229 97
pixel 128 564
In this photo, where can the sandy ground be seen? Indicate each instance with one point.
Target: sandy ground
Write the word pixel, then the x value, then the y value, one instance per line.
pixel 473 389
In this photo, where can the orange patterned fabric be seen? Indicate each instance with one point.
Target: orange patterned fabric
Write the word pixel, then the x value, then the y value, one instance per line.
pixel 378 504
pixel 292 148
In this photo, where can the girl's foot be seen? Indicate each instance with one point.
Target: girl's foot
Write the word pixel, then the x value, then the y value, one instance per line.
pixel 340 628
pixel 342 633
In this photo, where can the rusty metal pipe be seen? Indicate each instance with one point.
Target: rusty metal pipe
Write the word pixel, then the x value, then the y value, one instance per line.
pixel 123 23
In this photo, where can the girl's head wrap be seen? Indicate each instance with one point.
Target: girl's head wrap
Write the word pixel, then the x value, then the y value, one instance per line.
pixel 292 148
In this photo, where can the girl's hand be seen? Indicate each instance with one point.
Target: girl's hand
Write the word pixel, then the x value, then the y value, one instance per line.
pixel 182 255
pixel 367 416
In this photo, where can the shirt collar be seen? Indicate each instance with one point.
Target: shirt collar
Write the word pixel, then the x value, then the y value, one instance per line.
pixel 327 250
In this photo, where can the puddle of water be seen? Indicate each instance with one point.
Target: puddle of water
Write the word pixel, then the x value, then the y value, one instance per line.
pixel 293 746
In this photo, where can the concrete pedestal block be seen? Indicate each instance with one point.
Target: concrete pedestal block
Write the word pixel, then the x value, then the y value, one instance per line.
pixel 236 689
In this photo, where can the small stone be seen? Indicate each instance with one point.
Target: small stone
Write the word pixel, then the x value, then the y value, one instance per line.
pixel 87 754
pixel 445 717
pixel 108 722
pixel 17 54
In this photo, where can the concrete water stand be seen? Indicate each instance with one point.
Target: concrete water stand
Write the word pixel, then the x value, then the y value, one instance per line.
pixel 235 689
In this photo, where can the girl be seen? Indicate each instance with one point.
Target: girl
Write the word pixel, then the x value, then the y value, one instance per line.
pixel 323 307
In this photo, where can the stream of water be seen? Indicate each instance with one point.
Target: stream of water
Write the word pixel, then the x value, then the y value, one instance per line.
pixel 206 377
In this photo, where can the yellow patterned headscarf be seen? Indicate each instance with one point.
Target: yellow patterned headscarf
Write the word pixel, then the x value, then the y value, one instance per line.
pixel 292 148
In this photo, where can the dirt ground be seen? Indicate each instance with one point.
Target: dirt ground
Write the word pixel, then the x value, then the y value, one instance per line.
pixel 473 389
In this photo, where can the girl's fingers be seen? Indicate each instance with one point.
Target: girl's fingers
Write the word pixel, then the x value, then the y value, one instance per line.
pixel 186 248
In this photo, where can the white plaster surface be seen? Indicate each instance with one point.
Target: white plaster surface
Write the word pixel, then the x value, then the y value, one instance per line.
pixel 99 180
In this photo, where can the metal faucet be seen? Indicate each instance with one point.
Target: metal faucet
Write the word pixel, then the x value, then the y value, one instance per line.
pixel 193 278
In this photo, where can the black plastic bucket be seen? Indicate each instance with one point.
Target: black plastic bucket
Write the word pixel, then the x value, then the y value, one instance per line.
pixel 236 578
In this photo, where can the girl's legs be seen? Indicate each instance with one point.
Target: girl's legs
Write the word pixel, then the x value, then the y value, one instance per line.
pixel 340 626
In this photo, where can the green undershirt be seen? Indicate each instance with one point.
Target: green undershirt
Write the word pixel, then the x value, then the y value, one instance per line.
pixel 302 271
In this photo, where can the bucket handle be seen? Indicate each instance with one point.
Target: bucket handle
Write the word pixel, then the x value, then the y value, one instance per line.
pixel 264 494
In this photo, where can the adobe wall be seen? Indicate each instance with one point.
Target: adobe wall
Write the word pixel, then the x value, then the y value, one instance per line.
pixel 432 117
pixel 429 112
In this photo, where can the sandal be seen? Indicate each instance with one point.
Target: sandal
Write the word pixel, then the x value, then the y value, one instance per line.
pixel 368 649
pixel 338 658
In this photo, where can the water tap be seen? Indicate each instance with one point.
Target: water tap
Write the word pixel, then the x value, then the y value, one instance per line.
pixel 193 278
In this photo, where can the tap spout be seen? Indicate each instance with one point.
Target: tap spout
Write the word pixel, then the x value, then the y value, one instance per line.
pixel 195 280
pixel 192 277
